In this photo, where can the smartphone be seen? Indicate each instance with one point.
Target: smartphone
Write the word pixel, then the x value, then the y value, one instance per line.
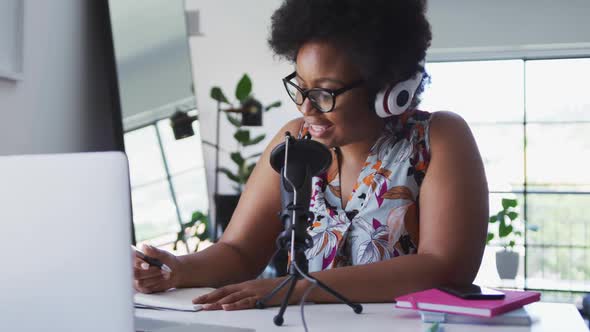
pixel 473 292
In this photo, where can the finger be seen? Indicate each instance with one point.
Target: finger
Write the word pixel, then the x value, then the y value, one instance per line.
pixel 137 262
pixel 151 281
pixel 214 295
pixel 234 297
pixel 146 274
pixel 247 303
pixel 150 286
pixel 155 252
pixel 139 288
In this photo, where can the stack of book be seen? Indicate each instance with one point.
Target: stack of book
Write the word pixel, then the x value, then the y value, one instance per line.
pixel 437 306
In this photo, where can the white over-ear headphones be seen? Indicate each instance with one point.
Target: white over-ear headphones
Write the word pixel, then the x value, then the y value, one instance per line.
pixel 395 99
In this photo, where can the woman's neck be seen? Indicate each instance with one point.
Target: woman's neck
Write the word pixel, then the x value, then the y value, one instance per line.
pixel 357 152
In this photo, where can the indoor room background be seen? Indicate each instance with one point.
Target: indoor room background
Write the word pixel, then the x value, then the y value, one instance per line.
pixel 516 71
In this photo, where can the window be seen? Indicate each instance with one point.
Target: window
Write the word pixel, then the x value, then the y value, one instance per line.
pixel 167 181
pixel 531 120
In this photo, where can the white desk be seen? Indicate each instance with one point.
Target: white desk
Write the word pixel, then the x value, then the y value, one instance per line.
pixel 554 317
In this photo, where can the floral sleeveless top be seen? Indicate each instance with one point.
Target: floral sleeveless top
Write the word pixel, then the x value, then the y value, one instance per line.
pixel 380 220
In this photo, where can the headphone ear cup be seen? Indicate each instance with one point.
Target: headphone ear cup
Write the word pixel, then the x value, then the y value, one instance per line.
pixel 395 99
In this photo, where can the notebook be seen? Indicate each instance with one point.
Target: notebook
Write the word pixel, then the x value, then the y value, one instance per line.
pixel 174 299
pixel 437 300
pixel 518 317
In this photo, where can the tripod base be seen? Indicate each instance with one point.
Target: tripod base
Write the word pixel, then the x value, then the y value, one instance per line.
pixel 294 276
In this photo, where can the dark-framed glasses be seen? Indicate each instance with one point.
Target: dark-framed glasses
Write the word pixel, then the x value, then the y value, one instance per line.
pixel 322 99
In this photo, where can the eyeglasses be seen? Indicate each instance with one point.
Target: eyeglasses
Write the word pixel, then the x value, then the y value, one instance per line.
pixel 322 99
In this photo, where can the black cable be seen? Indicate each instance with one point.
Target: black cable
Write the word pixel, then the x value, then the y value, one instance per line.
pixel 307 291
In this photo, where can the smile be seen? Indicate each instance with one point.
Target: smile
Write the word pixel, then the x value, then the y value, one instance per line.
pixel 318 130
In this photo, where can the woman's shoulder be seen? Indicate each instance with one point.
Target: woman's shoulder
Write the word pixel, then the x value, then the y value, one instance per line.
pixel 448 132
pixel 447 124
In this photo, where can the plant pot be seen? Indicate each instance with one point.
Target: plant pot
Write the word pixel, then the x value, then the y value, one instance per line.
pixel 507 264
pixel 225 205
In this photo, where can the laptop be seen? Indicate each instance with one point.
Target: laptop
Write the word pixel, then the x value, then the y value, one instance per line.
pixel 65 224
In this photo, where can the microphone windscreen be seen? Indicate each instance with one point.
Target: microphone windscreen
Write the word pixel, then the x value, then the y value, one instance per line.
pixel 305 153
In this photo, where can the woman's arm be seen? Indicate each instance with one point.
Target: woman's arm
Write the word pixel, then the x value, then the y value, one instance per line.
pixel 453 226
pixel 249 240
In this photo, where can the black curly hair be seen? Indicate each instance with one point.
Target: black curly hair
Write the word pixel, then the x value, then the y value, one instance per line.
pixel 387 39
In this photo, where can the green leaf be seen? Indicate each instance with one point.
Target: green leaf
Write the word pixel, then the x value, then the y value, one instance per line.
pixel 273 105
pixel 244 88
pixel 434 327
pixel 511 244
pixel 251 168
pixel 518 233
pixel 198 216
pixel 256 155
pixel 489 238
pixel 493 219
pixel 204 236
pixel 237 158
pixel 255 140
pixel 229 174
pixel 242 136
pixel 217 94
pixel 505 231
pixel 512 215
pixel 235 122
pixel 508 203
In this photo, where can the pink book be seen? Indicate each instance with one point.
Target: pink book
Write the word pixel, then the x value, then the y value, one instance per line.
pixel 437 300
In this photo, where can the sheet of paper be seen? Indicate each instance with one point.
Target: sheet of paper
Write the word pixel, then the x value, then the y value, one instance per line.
pixel 174 299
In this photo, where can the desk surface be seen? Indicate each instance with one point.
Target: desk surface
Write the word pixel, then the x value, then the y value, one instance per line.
pixel 337 317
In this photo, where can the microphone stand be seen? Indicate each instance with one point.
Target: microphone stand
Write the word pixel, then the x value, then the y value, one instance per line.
pixel 296 218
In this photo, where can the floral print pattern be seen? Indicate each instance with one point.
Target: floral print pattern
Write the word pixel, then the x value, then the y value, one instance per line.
pixel 381 218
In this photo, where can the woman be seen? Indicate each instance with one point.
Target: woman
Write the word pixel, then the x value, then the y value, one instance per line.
pixel 403 206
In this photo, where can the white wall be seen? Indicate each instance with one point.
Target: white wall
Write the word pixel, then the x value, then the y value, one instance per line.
pixel 235 33
pixel 234 43
pixel 63 102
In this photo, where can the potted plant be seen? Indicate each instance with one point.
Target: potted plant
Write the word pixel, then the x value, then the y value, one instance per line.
pixel 196 228
pixel 246 111
pixel 509 230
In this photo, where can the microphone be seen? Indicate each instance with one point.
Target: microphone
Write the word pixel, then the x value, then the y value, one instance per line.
pixel 298 161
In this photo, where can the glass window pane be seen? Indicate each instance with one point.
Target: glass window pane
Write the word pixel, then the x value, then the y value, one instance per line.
pixel 191 193
pixel 562 219
pixel 480 91
pixel 502 151
pixel 154 213
pixel 557 90
pixel 145 158
pixel 183 154
pixel 557 268
pixel 558 157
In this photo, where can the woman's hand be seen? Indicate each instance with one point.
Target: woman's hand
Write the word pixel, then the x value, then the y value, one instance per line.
pixel 151 279
pixel 244 295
